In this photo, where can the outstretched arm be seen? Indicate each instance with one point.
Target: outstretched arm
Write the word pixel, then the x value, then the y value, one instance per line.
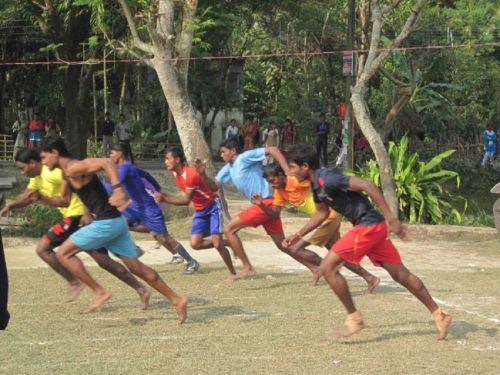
pixel 61 201
pixel 277 155
pixel 273 211
pixel 212 184
pixel 28 197
pixel 359 184
pixel 78 168
pixel 322 212
pixel 178 200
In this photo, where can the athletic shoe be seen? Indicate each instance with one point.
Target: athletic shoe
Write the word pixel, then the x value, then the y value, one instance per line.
pixel 191 267
pixel 176 259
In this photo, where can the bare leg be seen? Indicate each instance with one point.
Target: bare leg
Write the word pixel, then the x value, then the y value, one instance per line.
pixel 153 279
pixel 415 286
pixel 230 230
pixel 47 254
pixel 67 256
pixel 116 269
pixel 330 270
pixel 370 279
pixel 314 260
pixel 200 243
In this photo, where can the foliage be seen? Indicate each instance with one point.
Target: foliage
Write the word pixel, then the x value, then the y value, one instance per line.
pixel 37 219
pixel 421 187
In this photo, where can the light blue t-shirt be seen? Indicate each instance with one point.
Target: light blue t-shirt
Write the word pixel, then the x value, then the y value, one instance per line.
pixel 246 173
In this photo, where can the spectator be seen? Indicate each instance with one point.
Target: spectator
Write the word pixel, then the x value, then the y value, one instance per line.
pixel 124 134
pixel 490 145
pixel 289 134
pixel 249 132
pixel 16 126
pixel 36 128
pixel 22 138
pixel 108 128
pixel 322 132
pixel 52 128
pixel 270 138
pixel 232 131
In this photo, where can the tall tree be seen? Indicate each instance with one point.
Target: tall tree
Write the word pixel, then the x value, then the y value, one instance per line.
pixel 166 43
pixel 368 67
pixel 67 28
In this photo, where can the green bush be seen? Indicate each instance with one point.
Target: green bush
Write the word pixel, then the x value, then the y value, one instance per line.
pixel 421 187
pixel 38 219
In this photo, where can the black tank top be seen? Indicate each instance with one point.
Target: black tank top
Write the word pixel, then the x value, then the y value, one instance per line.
pixel 95 198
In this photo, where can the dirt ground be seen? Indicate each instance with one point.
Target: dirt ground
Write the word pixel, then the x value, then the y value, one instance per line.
pixel 432 247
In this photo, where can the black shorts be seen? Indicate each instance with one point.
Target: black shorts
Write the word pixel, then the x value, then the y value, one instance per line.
pixel 61 231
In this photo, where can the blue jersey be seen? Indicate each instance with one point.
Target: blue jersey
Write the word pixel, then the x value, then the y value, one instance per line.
pixel 131 180
pixel 246 173
pixel 490 140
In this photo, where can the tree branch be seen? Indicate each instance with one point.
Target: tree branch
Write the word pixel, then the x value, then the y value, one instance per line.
pixel 389 8
pixel 133 30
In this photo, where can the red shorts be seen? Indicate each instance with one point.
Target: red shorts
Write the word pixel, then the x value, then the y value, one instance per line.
pixel 371 240
pixel 254 216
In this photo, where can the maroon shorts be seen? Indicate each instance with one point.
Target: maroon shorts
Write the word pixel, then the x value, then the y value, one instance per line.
pixel 370 240
pixel 254 216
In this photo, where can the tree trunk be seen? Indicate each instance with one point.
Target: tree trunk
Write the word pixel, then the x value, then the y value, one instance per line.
pixel 77 103
pixel 363 118
pixel 190 132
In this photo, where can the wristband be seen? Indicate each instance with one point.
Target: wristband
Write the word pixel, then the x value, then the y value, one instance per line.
pixel 116 186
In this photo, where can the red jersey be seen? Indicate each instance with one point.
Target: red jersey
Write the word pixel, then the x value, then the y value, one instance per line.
pixel 191 180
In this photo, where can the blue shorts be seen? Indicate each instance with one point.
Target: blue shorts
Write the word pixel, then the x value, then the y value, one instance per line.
pixel 150 216
pixel 35 135
pixel 209 220
pixel 109 233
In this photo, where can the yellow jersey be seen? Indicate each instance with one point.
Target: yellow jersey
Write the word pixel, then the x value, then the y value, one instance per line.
pixel 48 183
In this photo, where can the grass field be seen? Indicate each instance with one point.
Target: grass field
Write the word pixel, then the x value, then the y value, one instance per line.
pixel 275 323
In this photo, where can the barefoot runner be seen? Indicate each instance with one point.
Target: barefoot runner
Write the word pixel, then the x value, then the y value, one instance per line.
pixel 208 215
pixel 245 171
pixel 288 190
pixel 108 229
pixel 369 236
pixel 47 187
pixel 145 210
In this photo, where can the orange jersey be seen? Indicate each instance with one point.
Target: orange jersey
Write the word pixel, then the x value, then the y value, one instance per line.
pixel 298 194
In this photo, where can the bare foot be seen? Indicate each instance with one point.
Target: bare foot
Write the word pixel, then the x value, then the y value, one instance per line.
pixel 316 277
pixel 230 278
pixel 74 291
pixel 181 309
pixel 443 321
pixel 243 274
pixel 372 284
pixel 144 293
pixel 98 301
pixel 353 324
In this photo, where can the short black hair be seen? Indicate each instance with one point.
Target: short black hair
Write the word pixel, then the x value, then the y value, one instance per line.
pixel 302 153
pixel 121 148
pixel 107 114
pixel 25 155
pixel 231 143
pixel 176 153
pixel 55 143
pixel 272 170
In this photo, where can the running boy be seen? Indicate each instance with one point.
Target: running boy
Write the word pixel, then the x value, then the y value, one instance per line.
pixel 369 236
pixel 208 217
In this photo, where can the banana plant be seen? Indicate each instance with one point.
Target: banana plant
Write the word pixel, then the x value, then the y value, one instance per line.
pixel 421 186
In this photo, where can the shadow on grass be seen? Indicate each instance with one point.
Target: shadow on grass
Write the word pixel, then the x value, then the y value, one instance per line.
pixel 460 329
